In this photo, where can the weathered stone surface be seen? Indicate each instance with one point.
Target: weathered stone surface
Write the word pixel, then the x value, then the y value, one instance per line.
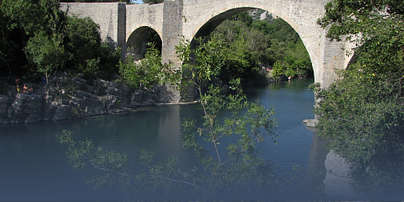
pixel 141 97
pixel 63 112
pixel 104 14
pixel 88 104
pixel 26 108
pixel 109 102
pixel 177 19
pixel 70 98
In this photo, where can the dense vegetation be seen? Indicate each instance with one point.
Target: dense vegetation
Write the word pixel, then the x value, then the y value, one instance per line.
pixel 38 40
pixel 362 113
pixel 149 71
pixel 224 148
pixel 252 45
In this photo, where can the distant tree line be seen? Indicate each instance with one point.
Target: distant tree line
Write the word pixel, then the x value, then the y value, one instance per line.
pixel 253 44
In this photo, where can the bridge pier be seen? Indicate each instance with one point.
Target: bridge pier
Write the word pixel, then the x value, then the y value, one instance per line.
pixel 172 30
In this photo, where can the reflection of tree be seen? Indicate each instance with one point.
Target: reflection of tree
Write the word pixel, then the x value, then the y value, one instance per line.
pixel 225 157
pixel 149 174
pixel 380 177
pixel 383 173
pixel 84 153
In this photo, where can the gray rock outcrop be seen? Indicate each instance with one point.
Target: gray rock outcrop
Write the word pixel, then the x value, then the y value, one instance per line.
pixel 71 98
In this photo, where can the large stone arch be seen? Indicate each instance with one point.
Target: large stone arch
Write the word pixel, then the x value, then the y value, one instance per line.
pixel 300 15
pixel 137 41
pixel 175 19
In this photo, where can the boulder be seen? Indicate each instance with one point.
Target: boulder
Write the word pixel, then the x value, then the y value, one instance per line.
pixel 65 97
pixel 62 112
pixel 87 103
pixel 110 102
pixel 141 97
pixel 312 123
pixel 26 108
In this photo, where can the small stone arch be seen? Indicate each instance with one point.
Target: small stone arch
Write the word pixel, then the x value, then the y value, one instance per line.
pixel 138 41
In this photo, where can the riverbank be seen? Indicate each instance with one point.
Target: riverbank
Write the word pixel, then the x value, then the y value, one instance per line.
pixel 68 97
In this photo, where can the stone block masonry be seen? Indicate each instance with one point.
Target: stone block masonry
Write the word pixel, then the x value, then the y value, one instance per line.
pixel 176 19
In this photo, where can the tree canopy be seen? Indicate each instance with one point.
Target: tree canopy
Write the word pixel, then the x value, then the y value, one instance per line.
pixel 39 39
pixel 362 112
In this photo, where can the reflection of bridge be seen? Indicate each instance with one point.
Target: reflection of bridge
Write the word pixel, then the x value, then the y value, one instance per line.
pixel 170 21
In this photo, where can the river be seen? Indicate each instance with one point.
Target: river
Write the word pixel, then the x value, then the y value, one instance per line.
pixel 35 166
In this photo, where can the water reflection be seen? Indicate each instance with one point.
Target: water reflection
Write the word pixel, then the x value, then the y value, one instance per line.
pixel 142 152
pixel 169 131
pixel 149 175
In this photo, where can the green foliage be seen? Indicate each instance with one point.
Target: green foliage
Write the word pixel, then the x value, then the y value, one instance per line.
pixel 348 18
pixel 46 53
pixel 254 43
pixel 362 113
pixel 37 37
pixel 278 70
pixel 148 72
pixel 247 122
pixel 153 174
pixel 88 54
pixel 85 154
pixel 34 16
pixel 23 20
pixel 357 121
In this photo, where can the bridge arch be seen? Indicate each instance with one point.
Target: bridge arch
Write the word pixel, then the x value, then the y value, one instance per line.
pixel 138 41
pixel 291 11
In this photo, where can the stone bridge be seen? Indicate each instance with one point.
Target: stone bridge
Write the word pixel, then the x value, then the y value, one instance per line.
pixel 131 25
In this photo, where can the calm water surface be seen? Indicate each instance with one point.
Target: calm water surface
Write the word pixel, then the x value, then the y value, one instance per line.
pixel 34 166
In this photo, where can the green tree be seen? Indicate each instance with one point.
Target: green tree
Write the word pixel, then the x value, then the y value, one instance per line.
pixel 361 113
pixel 23 20
pixel 38 37
pixel 253 44
pixel 46 53
pixel 87 54
pixel 149 71
pixel 248 122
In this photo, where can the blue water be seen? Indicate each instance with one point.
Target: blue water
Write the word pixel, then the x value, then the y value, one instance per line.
pixel 34 166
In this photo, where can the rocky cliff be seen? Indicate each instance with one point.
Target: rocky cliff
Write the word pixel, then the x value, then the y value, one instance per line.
pixel 72 98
